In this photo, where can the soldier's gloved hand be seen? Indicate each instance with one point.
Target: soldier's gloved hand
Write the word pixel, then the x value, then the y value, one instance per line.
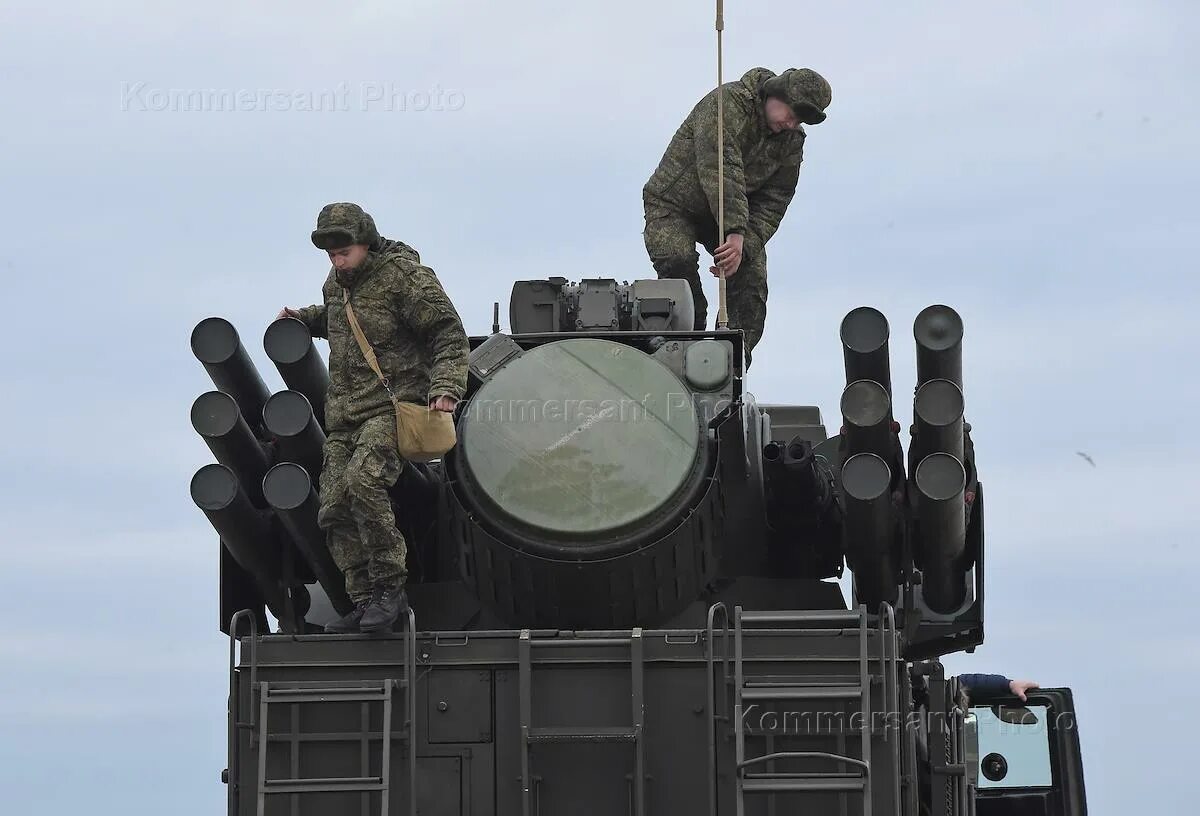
pixel 443 403
pixel 728 256
pixel 286 312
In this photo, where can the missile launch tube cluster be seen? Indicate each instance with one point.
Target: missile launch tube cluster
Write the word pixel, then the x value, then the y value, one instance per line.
pixel 924 514
pixel 903 522
pixel 261 493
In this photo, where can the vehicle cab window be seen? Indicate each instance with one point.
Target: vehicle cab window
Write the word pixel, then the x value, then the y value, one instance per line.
pixel 1014 747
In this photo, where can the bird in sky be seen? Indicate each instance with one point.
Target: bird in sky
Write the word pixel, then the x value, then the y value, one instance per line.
pixel 1088 458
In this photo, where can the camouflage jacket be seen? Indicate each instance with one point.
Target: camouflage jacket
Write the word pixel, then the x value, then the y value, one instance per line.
pixel 761 167
pixel 387 245
pixel 410 322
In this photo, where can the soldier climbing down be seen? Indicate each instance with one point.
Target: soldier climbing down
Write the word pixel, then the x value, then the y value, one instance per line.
pixel 763 149
pixel 421 347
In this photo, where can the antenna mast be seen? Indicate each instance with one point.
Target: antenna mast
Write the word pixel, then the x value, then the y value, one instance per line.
pixel 722 316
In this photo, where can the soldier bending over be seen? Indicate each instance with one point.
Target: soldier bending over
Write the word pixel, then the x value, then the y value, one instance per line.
pixel 422 348
pixel 763 149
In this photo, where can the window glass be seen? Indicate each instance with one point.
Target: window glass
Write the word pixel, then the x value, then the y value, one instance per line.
pixel 1014 746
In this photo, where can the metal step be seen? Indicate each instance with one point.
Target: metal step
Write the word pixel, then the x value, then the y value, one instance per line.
pixel 301 692
pixel 786 730
pixel 783 784
pixel 808 775
pixel 330 785
pixel 401 734
pixel 802 693
pixel 584 733
pixel 802 616
pixel 799 680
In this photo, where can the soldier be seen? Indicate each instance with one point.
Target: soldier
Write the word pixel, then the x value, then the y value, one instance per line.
pixel 387 245
pixel 764 144
pixel 996 684
pixel 421 347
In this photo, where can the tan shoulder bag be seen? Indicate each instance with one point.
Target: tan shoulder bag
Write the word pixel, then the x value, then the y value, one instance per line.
pixel 422 433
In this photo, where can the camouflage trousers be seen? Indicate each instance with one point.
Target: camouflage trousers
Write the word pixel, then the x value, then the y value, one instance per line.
pixel 355 509
pixel 671 239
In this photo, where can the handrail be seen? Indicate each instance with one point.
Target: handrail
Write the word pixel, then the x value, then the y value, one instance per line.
pixel 888 635
pixel 864 669
pixel 233 776
pixel 410 694
pixel 233 638
pixel 710 701
pixel 805 755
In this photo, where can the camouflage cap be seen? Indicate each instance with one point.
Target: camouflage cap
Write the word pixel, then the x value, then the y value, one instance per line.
pixel 808 93
pixel 342 224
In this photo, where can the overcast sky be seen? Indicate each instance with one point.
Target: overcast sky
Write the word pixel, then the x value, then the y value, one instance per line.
pixel 1031 164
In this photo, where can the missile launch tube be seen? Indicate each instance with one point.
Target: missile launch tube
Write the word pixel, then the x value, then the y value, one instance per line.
pixel 289 345
pixel 938 331
pixel 289 417
pixel 289 490
pixel 864 333
pixel 216 344
pixel 215 416
pixel 941 481
pixel 938 419
pixel 868 528
pixel 244 530
pixel 867 417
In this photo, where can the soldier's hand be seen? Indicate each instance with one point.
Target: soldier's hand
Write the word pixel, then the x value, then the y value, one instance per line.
pixel 443 403
pixel 286 312
pixel 728 256
pixel 1019 687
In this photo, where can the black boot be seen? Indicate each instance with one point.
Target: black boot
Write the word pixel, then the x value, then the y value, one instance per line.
pixel 348 623
pixel 387 602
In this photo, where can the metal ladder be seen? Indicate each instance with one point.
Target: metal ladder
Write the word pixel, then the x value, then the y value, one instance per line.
pixel 366 692
pixel 633 733
pixel 759 689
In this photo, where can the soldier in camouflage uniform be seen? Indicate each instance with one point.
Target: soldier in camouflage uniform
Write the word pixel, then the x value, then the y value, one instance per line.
pixel 764 145
pixel 422 348
pixel 387 245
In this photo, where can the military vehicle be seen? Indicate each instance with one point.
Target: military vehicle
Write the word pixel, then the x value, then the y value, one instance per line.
pixel 625 582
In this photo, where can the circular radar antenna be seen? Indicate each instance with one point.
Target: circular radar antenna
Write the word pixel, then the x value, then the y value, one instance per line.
pixel 580 441
pixel 572 458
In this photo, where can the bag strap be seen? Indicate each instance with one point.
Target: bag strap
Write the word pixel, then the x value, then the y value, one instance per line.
pixel 367 351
